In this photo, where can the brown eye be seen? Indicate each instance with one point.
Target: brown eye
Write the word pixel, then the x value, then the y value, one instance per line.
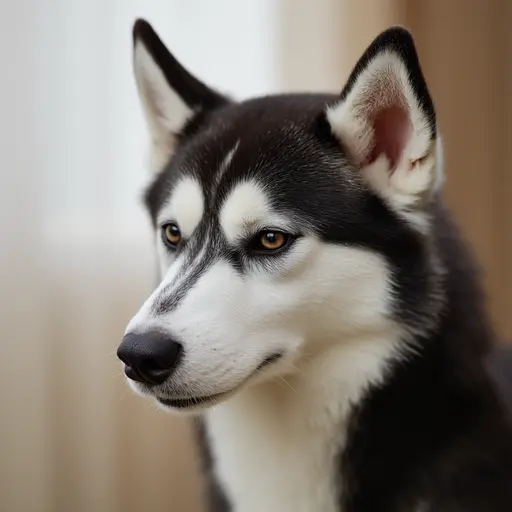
pixel 172 235
pixel 271 240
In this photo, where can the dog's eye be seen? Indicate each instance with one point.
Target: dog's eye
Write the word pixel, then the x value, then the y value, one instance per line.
pixel 269 241
pixel 171 235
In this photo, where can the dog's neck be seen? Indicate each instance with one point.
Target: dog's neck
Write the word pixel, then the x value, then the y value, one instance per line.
pixel 276 446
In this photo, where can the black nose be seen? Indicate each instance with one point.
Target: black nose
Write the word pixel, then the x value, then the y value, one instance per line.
pixel 149 357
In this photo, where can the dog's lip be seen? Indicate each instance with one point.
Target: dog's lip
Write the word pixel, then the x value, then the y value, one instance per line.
pixel 269 360
pixel 199 401
pixel 183 403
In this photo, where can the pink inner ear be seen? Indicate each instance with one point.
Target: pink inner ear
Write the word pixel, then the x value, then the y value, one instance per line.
pixel 392 130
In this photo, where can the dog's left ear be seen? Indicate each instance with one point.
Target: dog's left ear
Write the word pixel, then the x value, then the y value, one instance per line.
pixel 385 120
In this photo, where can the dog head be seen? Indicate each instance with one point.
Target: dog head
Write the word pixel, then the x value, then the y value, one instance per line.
pixel 283 224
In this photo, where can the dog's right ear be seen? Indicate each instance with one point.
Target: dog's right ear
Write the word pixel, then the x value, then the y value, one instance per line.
pixel 386 121
pixel 172 98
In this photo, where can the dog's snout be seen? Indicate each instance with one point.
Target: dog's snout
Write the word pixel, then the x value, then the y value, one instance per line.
pixel 149 357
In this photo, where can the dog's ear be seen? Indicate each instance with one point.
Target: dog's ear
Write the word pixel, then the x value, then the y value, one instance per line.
pixel 385 120
pixel 173 100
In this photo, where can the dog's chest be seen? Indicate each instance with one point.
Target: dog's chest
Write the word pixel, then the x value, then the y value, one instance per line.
pixel 276 455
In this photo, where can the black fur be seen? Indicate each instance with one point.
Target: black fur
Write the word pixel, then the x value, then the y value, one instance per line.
pixel 435 431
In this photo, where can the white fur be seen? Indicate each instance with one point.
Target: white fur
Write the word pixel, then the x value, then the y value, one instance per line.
pixel 225 164
pixel 405 188
pixel 166 113
pixel 185 207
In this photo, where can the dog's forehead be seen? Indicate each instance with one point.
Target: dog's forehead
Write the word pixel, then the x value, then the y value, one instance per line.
pixel 273 151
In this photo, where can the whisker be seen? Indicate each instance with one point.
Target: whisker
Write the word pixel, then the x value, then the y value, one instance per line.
pixel 288 384
pixel 295 367
pixel 278 381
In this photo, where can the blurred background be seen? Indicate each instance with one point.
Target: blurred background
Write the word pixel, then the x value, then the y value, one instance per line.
pixel 76 257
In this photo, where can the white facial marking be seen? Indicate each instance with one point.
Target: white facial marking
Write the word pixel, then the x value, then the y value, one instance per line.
pixel 185 206
pixel 246 204
pixel 247 208
pixel 225 164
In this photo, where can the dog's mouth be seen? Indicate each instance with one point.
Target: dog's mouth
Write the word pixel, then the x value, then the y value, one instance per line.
pixel 200 402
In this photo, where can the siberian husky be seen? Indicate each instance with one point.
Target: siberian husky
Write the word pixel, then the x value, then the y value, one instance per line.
pixel 317 310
